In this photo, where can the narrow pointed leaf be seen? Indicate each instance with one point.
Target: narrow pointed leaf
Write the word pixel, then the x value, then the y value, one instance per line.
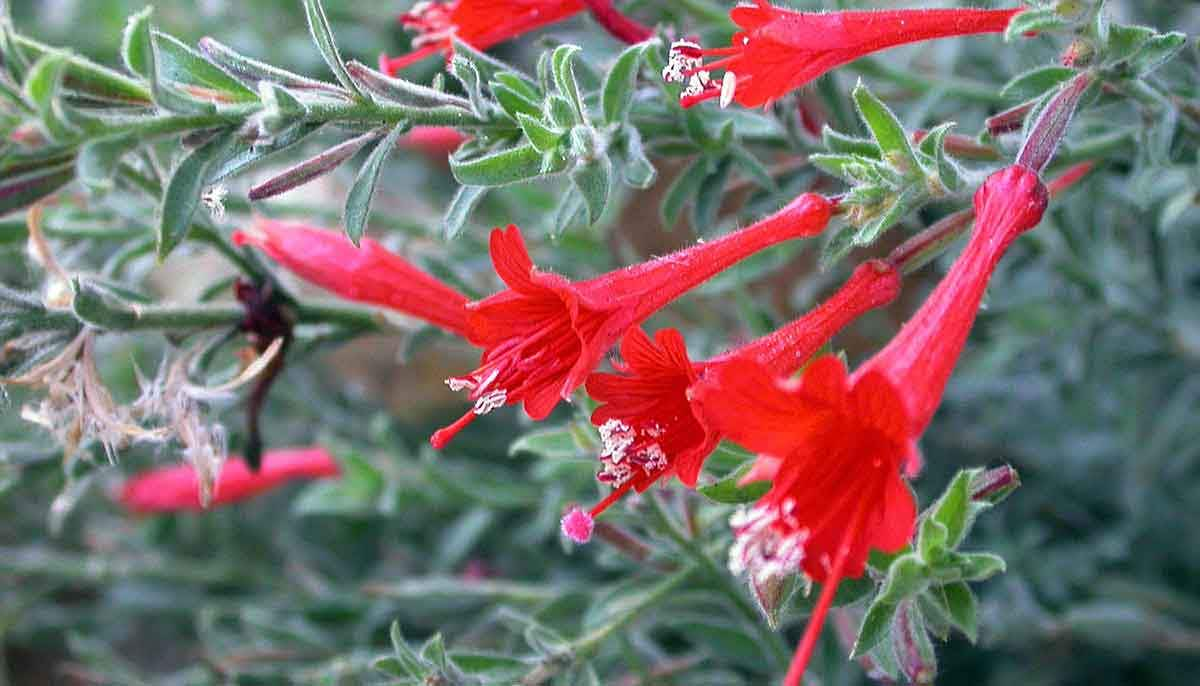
pixel 358 202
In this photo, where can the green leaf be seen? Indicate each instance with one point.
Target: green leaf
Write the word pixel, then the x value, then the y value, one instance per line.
pixel 1125 41
pixel 180 63
pixel 570 213
pixel 849 145
pixel 181 197
pixel 1033 83
pixel 466 198
pixel 896 210
pixel 1034 20
pixel 544 138
pixel 594 181
pixel 637 171
pixel 512 165
pixel 559 111
pixel 709 197
pixel 467 74
pixel 245 154
pixel 752 167
pixel 727 491
pixel 931 540
pixel 562 61
pixel 886 129
pixel 960 605
pixel 98 160
pixel 515 103
pixel 412 663
pixel 840 243
pixel 136 50
pixel 682 191
pixel 621 82
pixel 356 493
pixel 434 651
pixel 1156 52
pixel 906 577
pixel 322 34
pixel 489 67
pixel 953 510
pixel 254 70
pixel 140 53
pixel 949 173
pixel 980 566
pixel 358 201
pixel 42 87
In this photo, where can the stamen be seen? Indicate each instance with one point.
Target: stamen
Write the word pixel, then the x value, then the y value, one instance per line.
pixel 490 401
pixel 685 57
pixel 460 384
pixel 728 86
pixel 760 549
pixel 616 437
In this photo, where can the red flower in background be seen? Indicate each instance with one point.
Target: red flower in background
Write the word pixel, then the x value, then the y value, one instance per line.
pixel 834 446
pixel 545 334
pixel 478 23
pixel 368 273
pixel 647 423
pixel 176 489
pixel 436 142
pixel 779 50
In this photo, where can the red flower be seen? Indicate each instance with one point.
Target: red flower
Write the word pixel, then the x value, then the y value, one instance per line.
pixel 647 422
pixel 369 273
pixel 436 142
pixel 779 50
pixel 175 489
pixel 545 334
pixel 478 23
pixel 834 446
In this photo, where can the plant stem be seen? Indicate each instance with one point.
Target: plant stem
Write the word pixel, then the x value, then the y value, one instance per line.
pixel 771 641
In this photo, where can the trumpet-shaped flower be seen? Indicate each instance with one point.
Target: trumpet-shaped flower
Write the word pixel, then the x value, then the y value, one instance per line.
pixel 544 334
pixel 478 23
pixel 779 50
pixel 177 488
pixel 368 273
pixel 834 446
pixel 647 421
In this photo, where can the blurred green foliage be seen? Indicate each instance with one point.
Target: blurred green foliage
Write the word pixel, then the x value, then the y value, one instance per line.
pixel 1083 373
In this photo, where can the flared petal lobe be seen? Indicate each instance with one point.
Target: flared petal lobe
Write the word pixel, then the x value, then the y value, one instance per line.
pixel 545 334
pixel 176 489
pixel 478 23
pixel 368 273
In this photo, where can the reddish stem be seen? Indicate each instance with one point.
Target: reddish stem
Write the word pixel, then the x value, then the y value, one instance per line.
pixel 618 25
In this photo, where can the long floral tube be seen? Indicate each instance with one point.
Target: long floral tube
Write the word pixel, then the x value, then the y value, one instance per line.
pixel 779 50
pixel 368 273
pixel 544 334
pixel 176 489
pixel 835 445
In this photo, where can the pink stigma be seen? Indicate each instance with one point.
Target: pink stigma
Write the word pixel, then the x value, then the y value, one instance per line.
pixel 577 525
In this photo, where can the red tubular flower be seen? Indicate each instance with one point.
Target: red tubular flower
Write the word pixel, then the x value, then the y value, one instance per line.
pixel 478 23
pixel 176 489
pixel 647 422
pixel 436 142
pixel 835 446
pixel 545 334
pixel 368 273
pixel 779 50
